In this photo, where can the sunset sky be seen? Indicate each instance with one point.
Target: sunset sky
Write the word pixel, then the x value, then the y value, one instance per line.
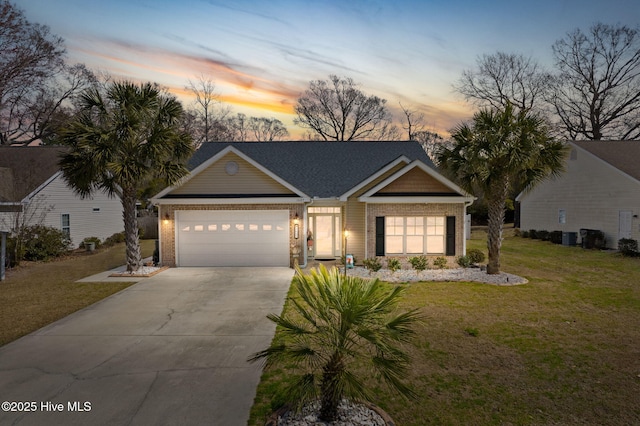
pixel 262 54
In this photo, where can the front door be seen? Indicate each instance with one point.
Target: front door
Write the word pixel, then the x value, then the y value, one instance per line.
pixel 324 227
pixel 624 224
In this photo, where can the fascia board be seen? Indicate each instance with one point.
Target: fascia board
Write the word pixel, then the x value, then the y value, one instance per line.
pixel 156 199
pixel 227 201
pixel 401 159
pixel 416 200
pixel 423 167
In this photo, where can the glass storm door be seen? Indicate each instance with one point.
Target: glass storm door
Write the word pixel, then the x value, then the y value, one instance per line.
pixel 324 224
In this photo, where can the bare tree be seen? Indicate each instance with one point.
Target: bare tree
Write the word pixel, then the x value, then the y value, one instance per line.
pixel 29 57
pixel 267 129
pixel 336 109
pixel 503 78
pixel 414 122
pixel 431 142
pixel 207 112
pixel 596 92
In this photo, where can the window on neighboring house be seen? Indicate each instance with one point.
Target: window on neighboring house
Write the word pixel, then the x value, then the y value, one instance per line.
pixel 414 235
pixel 65 220
pixel 562 216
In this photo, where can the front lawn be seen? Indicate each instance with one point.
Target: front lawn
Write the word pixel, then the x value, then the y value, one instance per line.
pixel 563 349
pixel 40 293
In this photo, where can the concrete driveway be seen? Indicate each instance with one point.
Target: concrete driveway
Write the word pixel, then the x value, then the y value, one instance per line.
pixel 171 349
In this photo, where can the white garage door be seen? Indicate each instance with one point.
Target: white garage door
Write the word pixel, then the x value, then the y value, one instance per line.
pixel 232 238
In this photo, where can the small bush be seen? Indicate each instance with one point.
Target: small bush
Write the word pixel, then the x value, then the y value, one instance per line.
pixel 393 264
pixel 516 232
pixel 440 262
pixel 464 261
pixel 475 256
pixel 524 234
pixel 372 264
pixel 628 247
pixel 533 234
pixel 44 242
pixel 555 237
pixel 543 235
pixel 419 263
pixel 114 239
pixel 94 240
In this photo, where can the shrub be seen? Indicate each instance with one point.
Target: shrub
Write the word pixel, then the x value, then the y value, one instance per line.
pixel 524 234
pixel 516 232
pixel 372 264
pixel 628 247
pixel 393 264
pixel 114 239
pixel 543 235
pixel 475 255
pixel 464 261
pixel 43 242
pixel 533 234
pixel 94 240
pixel 419 263
pixel 556 237
pixel 440 262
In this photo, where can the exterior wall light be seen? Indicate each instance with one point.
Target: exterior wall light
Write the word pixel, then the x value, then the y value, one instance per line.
pixel 296 227
pixel 166 219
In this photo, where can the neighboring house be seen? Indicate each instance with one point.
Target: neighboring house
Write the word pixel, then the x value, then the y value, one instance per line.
pixel 33 191
pixel 599 190
pixel 282 203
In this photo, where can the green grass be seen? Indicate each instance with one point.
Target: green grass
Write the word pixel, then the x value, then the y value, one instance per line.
pixel 39 293
pixel 562 349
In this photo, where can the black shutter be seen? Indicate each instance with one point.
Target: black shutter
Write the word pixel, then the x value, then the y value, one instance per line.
pixel 380 236
pixel 451 236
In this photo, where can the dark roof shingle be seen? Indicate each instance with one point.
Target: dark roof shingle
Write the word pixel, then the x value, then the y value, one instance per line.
pixel 27 168
pixel 319 169
pixel 623 155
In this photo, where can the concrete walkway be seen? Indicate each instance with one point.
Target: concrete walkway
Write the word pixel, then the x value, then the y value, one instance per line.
pixel 169 350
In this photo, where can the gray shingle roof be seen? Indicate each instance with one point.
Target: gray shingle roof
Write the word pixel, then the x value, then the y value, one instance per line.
pixel 27 168
pixel 319 169
pixel 623 155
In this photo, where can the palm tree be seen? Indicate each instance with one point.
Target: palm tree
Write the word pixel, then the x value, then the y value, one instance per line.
pixel 121 141
pixel 498 150
pixel 337 322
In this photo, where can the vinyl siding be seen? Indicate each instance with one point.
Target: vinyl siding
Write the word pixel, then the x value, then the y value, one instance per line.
pixel 591 192
pixel 416 180
pixel 215 180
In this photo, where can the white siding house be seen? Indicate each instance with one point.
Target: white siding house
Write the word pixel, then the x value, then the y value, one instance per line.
pixel 34 191
pixel 599 190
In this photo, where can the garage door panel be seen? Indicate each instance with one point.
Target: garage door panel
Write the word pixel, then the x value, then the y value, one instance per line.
pixel 233 238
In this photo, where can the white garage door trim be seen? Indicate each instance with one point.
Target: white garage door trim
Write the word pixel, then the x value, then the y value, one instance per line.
pixel 232 238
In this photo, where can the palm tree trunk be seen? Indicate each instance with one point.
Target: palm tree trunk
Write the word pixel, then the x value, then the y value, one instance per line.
pixel 131 229
pixel 330 394
pixel 495 203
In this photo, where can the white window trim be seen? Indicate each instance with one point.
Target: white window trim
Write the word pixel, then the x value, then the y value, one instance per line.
pixel 67 228
pixel 425 237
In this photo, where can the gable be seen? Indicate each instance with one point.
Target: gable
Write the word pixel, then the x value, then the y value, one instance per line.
pixel 418 182
pixel 231 175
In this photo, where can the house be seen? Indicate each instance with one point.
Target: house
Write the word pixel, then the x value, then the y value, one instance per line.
pixel 282 203
pixel 599 190
pixel 33 191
